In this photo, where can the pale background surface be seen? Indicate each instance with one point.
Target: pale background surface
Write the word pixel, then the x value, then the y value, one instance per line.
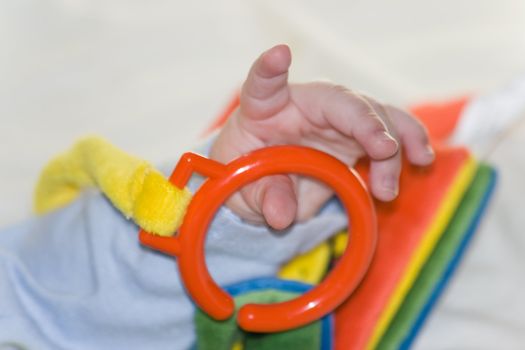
pixel 150 75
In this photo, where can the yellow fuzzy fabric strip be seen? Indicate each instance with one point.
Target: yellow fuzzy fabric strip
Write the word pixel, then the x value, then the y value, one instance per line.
pixel 133 186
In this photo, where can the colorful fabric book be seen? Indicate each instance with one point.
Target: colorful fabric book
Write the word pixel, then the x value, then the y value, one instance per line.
pixel 441 264
pixel 422 236
pixel 409 229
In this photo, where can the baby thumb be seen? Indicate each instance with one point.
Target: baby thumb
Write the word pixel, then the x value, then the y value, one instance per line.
pixel 274 197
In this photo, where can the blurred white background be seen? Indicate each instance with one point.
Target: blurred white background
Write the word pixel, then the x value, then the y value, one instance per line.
pixel 151 74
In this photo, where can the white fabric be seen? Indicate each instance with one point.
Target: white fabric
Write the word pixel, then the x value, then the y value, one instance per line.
pixel 489 120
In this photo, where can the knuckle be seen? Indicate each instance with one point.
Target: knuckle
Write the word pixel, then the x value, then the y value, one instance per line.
pixel 337 90
pixel 340 89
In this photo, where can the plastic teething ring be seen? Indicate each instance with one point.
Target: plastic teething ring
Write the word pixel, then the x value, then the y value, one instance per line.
pixel 224 180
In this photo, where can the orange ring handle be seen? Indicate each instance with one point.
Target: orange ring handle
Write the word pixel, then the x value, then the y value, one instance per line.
pixel 224 180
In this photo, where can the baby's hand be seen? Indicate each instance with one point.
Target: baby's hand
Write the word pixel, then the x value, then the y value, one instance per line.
pixel 327 117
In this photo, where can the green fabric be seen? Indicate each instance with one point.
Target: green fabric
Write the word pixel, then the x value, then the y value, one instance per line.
pixel 434 268
pixel 221 335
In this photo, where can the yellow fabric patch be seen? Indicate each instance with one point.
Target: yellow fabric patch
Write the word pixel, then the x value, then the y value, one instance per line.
pixel 133 186
pixel 156 204
pixel 340 241
pixel 309 267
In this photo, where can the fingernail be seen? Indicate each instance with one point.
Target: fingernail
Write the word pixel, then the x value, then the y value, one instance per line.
pixel 390 184
pixel 386 138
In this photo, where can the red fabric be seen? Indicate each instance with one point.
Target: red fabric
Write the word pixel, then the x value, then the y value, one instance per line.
pixel 440 118
pixel 224 115
pixel 402 225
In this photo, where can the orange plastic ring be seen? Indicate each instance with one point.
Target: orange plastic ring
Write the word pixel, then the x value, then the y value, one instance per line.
pixel 224 180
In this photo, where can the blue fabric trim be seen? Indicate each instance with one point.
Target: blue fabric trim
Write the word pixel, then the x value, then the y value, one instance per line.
pixel 327 332
pixel 267 283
